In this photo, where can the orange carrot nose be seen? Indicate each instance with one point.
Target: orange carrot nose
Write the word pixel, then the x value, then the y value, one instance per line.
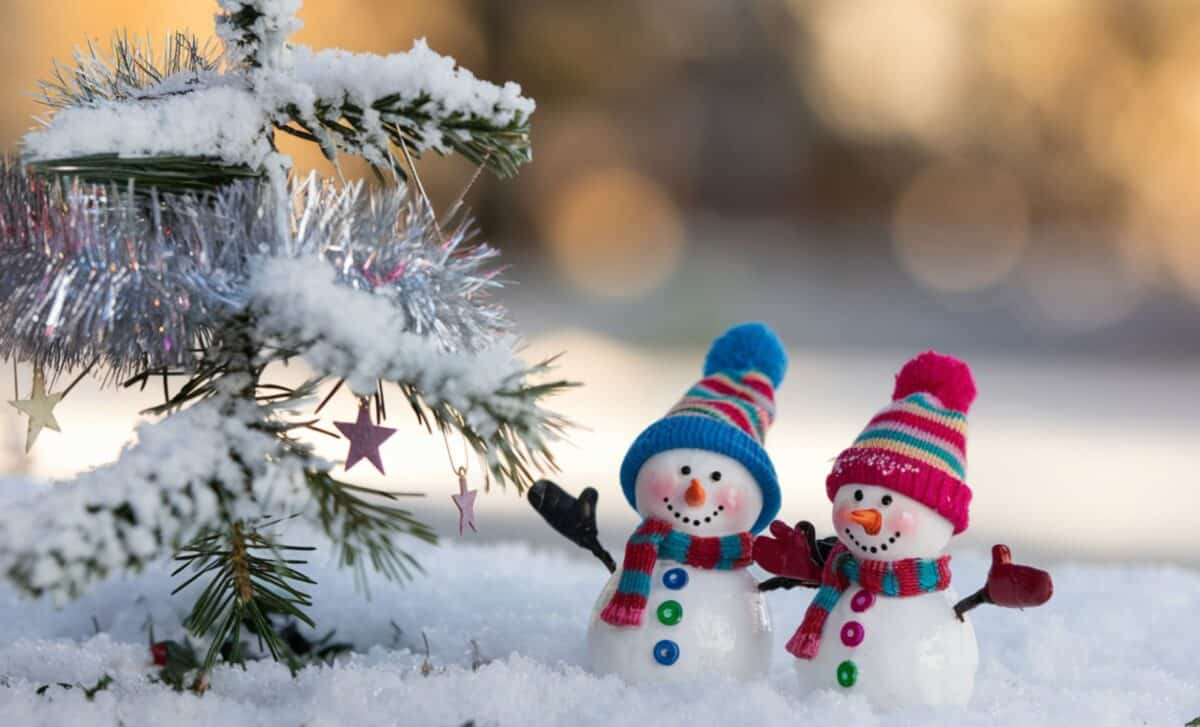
pixel 696 495
pixel 871 520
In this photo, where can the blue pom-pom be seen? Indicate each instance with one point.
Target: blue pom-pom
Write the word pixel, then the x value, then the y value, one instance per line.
pixel 748 347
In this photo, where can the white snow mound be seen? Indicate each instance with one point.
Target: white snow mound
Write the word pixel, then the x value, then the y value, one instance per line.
pixel 1116 646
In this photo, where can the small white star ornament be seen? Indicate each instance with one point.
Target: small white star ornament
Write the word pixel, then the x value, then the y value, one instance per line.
pixel 39 407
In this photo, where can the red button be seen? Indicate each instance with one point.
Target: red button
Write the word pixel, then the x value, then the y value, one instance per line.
pixel 852 633
pixel 862 601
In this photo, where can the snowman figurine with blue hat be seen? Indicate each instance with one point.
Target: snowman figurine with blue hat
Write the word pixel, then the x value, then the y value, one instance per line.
pixel 682 602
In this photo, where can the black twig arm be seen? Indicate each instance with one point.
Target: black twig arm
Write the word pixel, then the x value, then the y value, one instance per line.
pixel 973 601
pixel 775 583
pixel 572 517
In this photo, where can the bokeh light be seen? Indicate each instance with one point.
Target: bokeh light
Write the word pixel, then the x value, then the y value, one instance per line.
pixel 959 227
pixel 883 68
pixel 614 232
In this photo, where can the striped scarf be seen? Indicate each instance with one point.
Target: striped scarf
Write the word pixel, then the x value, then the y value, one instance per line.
pixel 908 577
pixel 655 539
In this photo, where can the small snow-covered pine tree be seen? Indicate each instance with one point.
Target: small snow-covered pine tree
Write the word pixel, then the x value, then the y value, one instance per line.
pixel 152 231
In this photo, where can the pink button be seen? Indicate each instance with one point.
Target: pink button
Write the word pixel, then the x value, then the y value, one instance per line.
pixel 852 634
pixel 862 601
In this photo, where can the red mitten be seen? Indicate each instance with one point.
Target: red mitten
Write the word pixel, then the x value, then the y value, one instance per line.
pixel 791 553
pixel 1015 586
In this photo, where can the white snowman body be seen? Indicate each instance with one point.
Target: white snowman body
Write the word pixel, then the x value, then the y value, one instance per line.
pixel 895 650
pixel 697 620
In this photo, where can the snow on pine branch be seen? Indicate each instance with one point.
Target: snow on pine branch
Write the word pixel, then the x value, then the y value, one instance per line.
pixel 254 31
pixel 361 337
pixel 419 98
pixel 124 107
pixel 189 472
pixel 221 122
pixel 365 78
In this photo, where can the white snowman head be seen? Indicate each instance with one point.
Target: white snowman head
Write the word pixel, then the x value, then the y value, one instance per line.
pixel 698 492
pixel 899 490
pixel 876 523
pixel 702 468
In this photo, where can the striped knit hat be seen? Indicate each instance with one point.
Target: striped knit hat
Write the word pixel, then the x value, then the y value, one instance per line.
pixel 728 412
pixel 917 445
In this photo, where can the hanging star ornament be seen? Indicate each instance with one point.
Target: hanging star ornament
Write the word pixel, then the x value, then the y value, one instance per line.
pixel 465 502
pixel 365 439
pixel 39 407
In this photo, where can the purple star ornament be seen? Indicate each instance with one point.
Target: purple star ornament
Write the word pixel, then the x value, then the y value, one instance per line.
pixel 365 439
pixel 465 501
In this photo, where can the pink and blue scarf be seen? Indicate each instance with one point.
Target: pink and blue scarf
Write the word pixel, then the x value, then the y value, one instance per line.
pixel 894 578
pixel 655 539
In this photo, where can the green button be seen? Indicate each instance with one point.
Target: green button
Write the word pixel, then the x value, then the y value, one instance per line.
pixel 847 673
pixel 670 612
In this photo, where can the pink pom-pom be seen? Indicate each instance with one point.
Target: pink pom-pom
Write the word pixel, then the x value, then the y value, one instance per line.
pixel 945 377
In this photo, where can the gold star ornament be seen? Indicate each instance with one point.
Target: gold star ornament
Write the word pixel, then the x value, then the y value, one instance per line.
pixel 39 407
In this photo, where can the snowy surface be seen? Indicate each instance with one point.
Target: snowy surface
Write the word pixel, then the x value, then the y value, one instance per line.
pixel 1116 646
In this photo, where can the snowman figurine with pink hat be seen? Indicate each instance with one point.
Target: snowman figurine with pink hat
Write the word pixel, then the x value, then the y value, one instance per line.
pixel 885 621
pixel 683 603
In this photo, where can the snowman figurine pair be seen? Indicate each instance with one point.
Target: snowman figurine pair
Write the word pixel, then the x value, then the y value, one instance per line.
pixel 884 622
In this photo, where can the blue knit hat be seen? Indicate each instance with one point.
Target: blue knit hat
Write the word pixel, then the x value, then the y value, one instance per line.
pixel 728 412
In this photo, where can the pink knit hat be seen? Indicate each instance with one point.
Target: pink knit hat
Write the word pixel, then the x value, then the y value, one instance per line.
pixel 917 445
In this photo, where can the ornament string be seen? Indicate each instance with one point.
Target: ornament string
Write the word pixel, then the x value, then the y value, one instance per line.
pixel 465 499
pixel 412 169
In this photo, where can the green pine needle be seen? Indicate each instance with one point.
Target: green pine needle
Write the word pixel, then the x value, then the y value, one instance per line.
pixel 250 581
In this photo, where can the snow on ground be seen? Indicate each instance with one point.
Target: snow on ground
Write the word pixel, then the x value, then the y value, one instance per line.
pixel 1116 646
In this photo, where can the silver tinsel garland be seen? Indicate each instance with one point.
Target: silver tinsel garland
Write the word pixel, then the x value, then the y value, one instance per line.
pixel 137 282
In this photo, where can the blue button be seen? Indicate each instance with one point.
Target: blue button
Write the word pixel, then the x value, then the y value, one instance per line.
pixel 666 652
pixel 675 579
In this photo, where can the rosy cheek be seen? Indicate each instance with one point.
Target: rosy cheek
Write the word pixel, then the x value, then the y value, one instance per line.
pixel 901 522
pixel 730 499
pixel 841 517
pixel 661 486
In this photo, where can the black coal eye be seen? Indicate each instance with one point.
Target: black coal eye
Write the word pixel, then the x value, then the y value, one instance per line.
pixel 887 500
pixel 858 495
pixel 716 476
pixel 686 470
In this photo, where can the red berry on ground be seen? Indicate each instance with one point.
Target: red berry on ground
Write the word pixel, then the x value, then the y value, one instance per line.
pixel 158 652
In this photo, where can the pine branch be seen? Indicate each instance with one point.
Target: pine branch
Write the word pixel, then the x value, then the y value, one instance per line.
pixel 114 108
pixel 254 31
pixel 517 445
pixel 129 69
pixel 489 396
pixel 167 174
pixel 191 473
pixel 363 526
pixel 251 580
pixel 416 125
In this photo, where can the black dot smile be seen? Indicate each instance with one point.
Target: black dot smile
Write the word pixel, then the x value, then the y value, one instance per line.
pixel 871 548
pixel 695 521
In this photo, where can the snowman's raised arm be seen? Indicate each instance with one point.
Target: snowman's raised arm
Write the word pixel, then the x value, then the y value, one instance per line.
pixel 1009 585
pixel 572 517
pixel 794 555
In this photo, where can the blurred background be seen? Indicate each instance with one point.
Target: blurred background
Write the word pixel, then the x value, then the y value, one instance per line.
pixel 1014 183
